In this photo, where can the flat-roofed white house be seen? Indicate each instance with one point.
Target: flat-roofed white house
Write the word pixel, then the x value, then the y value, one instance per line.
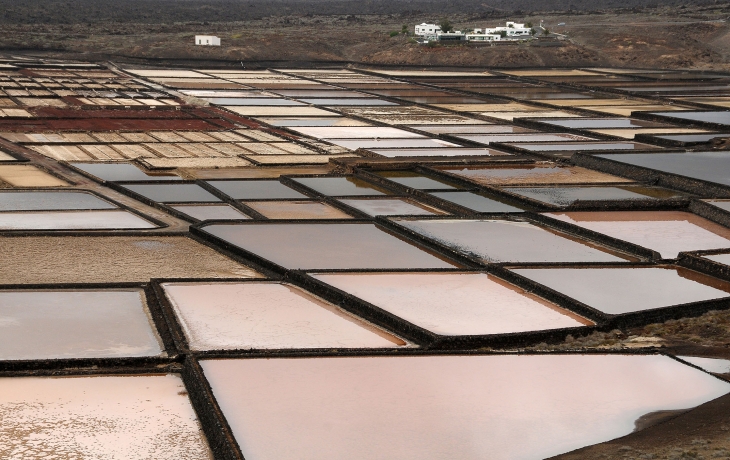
pixel 427 29
pixel 209 40
pixel 512 29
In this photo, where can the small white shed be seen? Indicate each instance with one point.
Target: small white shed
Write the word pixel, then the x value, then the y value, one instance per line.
pixel 209 40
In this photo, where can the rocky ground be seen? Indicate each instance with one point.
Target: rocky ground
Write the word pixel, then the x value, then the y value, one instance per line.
pixel 706 335
pixel 669 37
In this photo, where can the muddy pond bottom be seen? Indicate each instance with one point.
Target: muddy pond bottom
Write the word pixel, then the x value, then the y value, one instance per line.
pixel 132 417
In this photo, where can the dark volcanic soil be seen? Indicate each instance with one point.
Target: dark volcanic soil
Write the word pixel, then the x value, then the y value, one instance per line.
pixel 662 36
pixel 702 433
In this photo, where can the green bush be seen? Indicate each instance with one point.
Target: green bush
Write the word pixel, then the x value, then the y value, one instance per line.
pixel 395 33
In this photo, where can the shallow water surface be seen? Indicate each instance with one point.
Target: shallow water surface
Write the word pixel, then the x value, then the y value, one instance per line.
pixel 121 172
pixel 354 144
pixel 626 290
pixel 476 202
pixel 446 407
pixel 691 137
pixel 51 201
pixel 320 93
pixel 721 204
pixel 72 220
pixel 173 193
pixel 334 121
pixel 507 241
pixel 360 101
pixel 588 123
pixel 340 186
pixel 356 132
pixel 437 152
pixel 565 196
pixel 534 175
pixel 466 129
pixel 415 180
pixel 256 190
pixel 667 232
pixel 721 117
pixel 390 207
pixel 251 101
pixel 721 258
pixel 267 315
pixel 455 303
pixel 538 147
pixel 212 212
pixel 487 139
pixel 709 166
pixel 714 365
pixel 75 324
pixel 325 246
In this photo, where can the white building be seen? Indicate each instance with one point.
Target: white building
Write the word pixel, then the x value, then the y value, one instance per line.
pixel 511 30
pixel 208 40
pixel 481 37
pixel 427 29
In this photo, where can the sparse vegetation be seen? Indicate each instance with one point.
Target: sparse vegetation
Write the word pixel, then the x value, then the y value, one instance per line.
pixel 446 26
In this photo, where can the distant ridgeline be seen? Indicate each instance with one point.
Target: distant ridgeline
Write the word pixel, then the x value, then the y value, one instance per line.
pixel 171 11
